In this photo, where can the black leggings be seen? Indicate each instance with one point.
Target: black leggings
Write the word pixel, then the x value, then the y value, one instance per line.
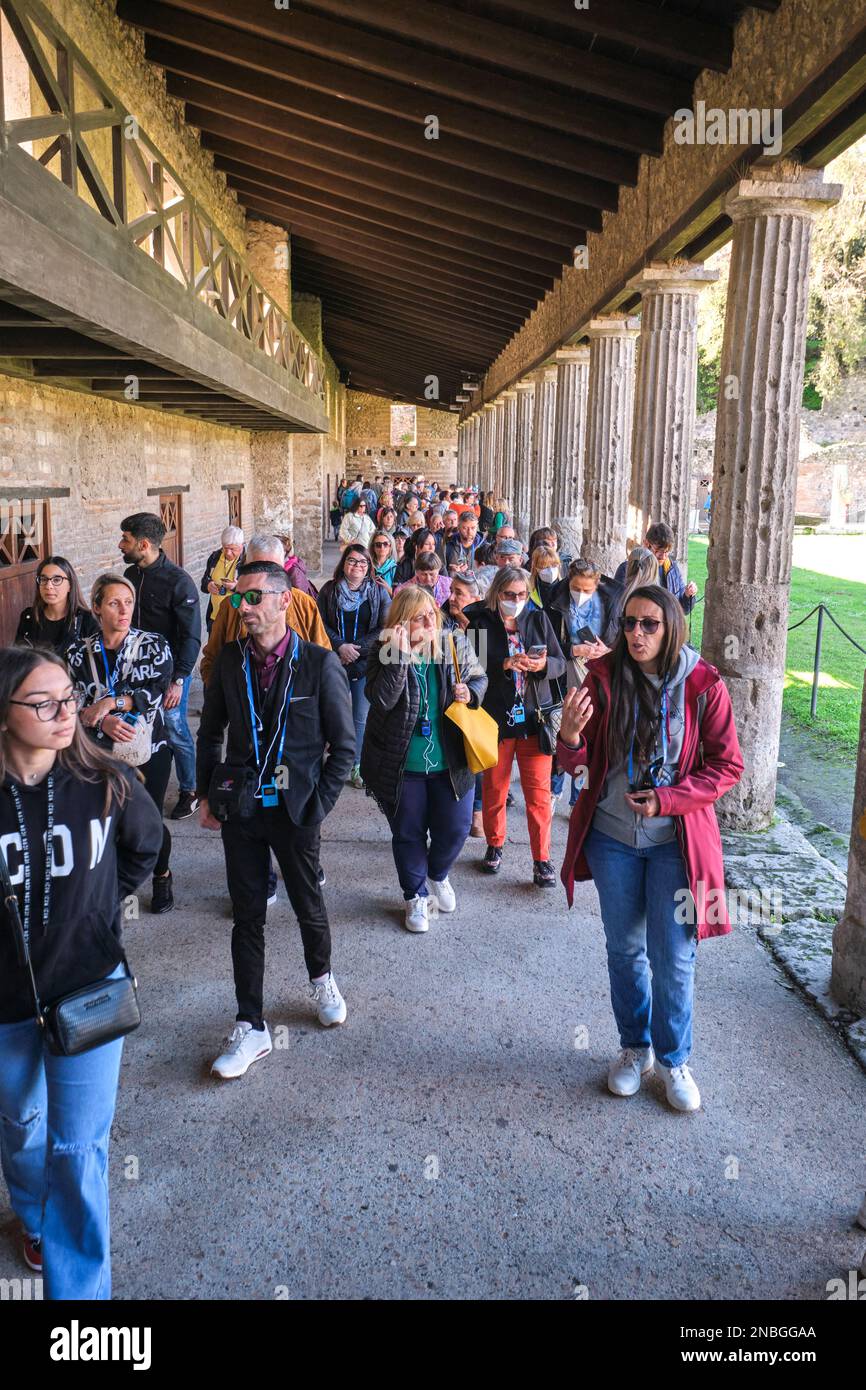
pixel 156 772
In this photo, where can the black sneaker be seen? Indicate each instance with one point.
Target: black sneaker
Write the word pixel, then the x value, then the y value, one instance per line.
pixel 322 879
pixel 492 861
pixel 162 899
pixel 187 805
pixel 543 874
pixel 272 888
pixel 509 800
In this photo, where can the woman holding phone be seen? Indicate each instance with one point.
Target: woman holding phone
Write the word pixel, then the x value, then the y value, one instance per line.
pixel 653 723
pixel 523 657
pixel 123 675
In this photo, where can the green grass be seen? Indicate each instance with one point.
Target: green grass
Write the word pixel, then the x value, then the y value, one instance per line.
pixel 841 683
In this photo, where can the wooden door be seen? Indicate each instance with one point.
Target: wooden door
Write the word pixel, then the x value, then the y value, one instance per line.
pixel 235 508
pixel 172 519
pixel 24 541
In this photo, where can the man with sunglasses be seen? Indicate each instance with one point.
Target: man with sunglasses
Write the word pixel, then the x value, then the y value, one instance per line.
pixel 286 704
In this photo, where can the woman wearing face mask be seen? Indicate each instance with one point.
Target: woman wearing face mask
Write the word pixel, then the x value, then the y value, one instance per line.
pixel 353 606
pixel 79 834
pixel 543 576
pixel 586 601
pixel 414 760
pixel 654 724
pixel 523 657
pixel 384 556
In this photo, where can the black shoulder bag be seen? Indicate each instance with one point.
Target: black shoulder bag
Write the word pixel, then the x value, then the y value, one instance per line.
pixel 87 1017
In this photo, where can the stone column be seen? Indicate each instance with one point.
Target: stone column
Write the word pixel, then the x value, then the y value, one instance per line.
pixel 486 442
pixel 508 440
pixel 462 442
pixel 607 471
pixel 569 443
pixel 848 978
pixel 309 475
pixel 541 479
pixel 499 443
pixel 519 499
pixel 269 257
pixel 273 477
pixel 755 468
pixel 666 399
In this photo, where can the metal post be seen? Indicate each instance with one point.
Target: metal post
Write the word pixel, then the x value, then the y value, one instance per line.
pixel 817 671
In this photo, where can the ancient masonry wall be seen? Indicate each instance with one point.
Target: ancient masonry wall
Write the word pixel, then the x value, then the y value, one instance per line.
pixel 369 447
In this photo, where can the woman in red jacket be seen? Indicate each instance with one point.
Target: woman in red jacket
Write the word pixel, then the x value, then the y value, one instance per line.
pixel 653 723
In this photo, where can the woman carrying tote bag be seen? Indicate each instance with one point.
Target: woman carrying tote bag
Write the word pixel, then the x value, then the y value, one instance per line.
pixel 123 675
pixel 414 760
pixel 67 807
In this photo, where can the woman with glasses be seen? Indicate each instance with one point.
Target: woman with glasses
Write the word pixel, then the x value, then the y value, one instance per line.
pixel 523 657
pixel 383 552
pixel 414 759
pixel 123 674
pixel 653 723
pixel 79 834
pixel 353 606
pixel 357 527
pixel 59 615
pixel 221 571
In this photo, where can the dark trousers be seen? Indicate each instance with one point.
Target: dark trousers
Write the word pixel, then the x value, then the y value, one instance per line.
pixel 156 772
pixel 247 845
pixel 427 806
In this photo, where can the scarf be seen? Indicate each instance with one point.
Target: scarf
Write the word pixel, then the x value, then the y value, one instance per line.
pixel 350 600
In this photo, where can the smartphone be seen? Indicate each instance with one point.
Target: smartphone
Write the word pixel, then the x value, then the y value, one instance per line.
pixel 586 634
pixel 537 649
pixel 130 717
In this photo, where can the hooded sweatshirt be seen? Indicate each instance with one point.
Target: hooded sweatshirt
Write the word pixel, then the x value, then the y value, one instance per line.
pixel 613 815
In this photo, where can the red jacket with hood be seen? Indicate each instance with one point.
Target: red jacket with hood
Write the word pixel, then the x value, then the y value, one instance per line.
pixel 710 763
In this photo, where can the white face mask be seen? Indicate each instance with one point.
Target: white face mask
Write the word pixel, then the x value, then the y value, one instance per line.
pixel 511 608
pixel 549 574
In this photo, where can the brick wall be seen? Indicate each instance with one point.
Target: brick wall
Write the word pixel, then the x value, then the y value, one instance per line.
pixel 368 440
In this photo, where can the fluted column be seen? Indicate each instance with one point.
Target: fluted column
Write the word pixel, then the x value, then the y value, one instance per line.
pixel 755 468
pixel 499 442
pixel 487 443
pixel 462 443
pixel 666 399
pixel 848 980
pixel 569 443
pixel 610 400
pixel 542 452
pixel 474 453
pixel 519 500
pixel 508 442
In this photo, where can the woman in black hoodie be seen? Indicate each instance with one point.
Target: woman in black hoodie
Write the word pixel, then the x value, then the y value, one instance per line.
pixel 352 607
pixel 66 804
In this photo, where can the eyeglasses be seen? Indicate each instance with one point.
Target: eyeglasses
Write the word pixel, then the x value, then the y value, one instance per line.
pixel 355 564
pixel 512 596
pixel 251 596
pixel 47 710
pixel 53 579
pixel 647 625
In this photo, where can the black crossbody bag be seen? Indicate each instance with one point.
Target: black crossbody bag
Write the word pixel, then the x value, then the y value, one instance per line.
pixel 85 1018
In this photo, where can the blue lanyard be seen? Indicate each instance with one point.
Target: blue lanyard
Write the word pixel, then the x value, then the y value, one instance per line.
pixel 664 733
pixel 343 625
pixel 287 702
pixel 109 679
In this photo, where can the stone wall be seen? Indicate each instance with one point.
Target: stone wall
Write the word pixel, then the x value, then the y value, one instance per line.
pixel 368 440
pixel 109 454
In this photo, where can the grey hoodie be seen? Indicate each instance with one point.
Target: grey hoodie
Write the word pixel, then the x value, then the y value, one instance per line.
pixel 613 816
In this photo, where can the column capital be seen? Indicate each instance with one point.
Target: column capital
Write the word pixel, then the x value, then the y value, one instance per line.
pixel 509 395
pixel 804 195
pixel 578 353
pixel 549 372
pixel 612 327
pixel 527 384
pixel 488 405
pixel 673 277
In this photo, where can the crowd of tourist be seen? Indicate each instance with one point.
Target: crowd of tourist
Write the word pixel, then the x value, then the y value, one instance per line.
pixel 444 650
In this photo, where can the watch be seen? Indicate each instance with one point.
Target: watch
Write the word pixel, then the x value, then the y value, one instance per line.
pixel 119 704
pixel 178 680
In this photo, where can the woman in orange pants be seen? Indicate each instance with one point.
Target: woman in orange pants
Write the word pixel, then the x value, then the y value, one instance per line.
pixel 519 649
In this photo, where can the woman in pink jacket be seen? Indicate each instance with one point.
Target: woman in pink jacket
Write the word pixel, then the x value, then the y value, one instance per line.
pixel 653 726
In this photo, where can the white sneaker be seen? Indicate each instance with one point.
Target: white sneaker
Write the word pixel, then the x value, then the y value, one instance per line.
pixel 680 1086
pixel 625 1072
pixel 243 1046
pixel 416 914
pixel 443 893
pixel 330 1004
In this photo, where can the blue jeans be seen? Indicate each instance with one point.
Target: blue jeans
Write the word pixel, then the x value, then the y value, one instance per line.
pixel 427 805
pixel 360 710
pixel 636 889
pixel 180 741
pixel 477 800
pixel 55 1121
pixel 557 782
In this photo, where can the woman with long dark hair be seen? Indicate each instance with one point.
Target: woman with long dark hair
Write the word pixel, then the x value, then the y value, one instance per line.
pixel 123 674
pixel 79 834
pixel 653 723
pixel 58 615
pixel 353 606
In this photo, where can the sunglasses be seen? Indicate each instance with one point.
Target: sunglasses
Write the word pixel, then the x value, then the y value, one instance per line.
pixel 251 596
pixel 647 625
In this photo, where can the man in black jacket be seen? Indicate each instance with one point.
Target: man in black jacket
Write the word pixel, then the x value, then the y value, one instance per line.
pixel 285 702
pixel 167 602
